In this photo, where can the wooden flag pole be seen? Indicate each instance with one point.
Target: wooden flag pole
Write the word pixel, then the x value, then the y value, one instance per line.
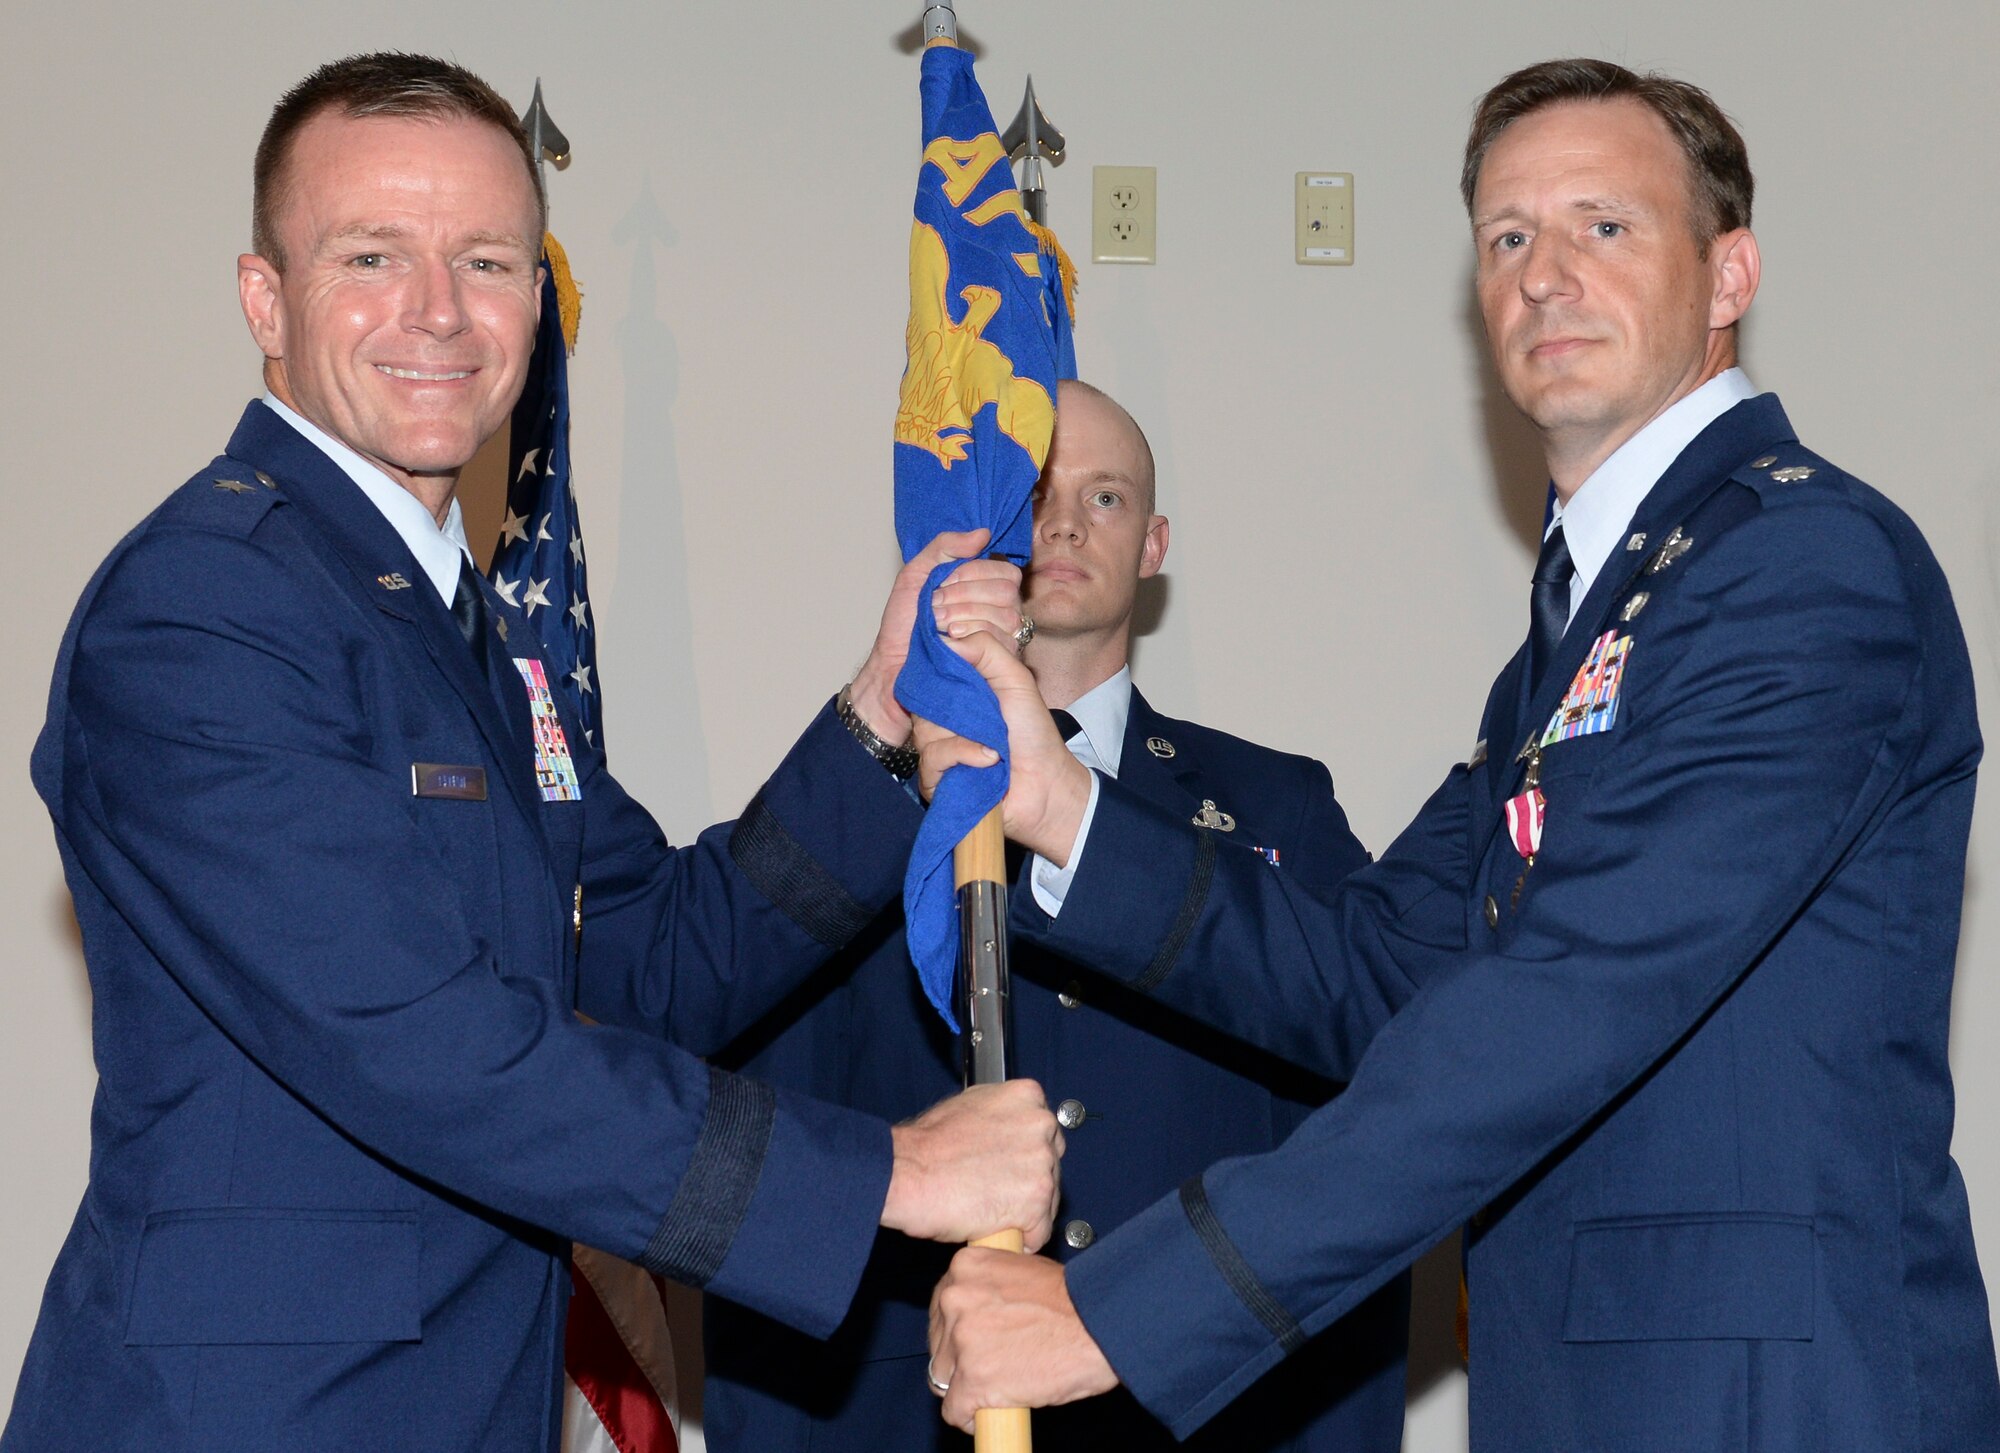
pixel 979 868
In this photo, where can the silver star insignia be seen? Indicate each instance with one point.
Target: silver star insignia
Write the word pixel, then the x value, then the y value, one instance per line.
pixel 234 486
pixel 505 588
pixel 527 464
pixel 512 528
pixel 581 676
pixel 578 610
pixel 537 594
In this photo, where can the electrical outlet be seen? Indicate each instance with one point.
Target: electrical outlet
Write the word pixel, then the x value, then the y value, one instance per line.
pixel 1123 223
pixel 1324 218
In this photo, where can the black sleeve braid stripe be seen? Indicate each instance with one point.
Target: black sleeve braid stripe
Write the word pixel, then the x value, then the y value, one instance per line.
pixel 771 858
pixel 714 1194
pixel 1177 937
pixel 1235 1270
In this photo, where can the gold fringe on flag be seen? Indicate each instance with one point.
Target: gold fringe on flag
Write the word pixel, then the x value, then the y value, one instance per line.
pixel 569 298
pixel 1046 240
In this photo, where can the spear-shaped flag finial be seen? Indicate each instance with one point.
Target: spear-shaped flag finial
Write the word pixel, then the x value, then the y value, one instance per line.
pixel 544 136
pixel 1029 139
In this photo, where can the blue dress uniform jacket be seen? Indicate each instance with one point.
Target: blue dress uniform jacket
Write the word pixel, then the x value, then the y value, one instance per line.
pixel 1152 1097
pixel 1685 1076
pixel 348 1119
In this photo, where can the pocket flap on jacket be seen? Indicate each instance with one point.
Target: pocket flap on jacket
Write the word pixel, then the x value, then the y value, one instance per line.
pixel 1677 1278
pixel 257 1275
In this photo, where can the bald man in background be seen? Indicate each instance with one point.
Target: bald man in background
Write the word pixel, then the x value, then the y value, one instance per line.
pixel 1146 1097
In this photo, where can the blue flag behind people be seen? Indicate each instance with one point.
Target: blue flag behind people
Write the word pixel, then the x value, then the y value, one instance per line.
pixel 989 335
pixel 538 566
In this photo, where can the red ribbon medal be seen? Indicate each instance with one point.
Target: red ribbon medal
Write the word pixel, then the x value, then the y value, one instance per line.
pixel 1525 816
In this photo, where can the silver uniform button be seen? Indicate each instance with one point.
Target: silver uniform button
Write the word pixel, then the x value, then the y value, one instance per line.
pixel 1079 1234
pixel 1492 912
pixel 1071 995
pixel 1069 1114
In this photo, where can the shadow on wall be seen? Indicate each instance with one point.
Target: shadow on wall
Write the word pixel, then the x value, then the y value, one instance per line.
pixel 1520 470
pixel 653 594
pixel 64 928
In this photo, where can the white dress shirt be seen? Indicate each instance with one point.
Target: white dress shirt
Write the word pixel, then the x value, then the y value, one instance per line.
pixel 1595 519
pixel 438 550
pixel 1102 713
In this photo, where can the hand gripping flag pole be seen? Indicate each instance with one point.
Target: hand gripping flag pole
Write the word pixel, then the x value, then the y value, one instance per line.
pixel 988 337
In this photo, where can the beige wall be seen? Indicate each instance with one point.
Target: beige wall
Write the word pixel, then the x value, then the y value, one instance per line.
pixel 1350 503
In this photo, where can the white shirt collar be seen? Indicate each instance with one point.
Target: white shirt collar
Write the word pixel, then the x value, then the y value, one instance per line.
pixel 438 550
pixel 1595 518
pixel 1102 712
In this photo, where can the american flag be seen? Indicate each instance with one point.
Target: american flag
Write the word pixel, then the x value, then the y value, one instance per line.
pixel 619 1394
pixel 538 566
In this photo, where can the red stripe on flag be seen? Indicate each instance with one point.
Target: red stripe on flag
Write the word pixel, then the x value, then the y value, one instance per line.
pixel 610 1379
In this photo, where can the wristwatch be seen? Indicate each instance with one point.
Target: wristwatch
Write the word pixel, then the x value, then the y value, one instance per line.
pixel 899 762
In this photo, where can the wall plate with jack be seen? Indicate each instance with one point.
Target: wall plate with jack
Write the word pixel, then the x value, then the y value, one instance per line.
pixel 1123 225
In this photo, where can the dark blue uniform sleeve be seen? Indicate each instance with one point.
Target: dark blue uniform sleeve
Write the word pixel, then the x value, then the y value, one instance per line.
pixel 219 761
pixel 1768 713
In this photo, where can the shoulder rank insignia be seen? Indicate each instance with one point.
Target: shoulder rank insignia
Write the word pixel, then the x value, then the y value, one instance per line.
pixel 234 486
pixel 1160 747
pixel 392 581
pixel 1591 703
pixel 1792 475
pixel 1212 816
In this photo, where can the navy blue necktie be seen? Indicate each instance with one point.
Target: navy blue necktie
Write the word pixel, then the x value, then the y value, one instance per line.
pixel 468 609
pixel 1548 605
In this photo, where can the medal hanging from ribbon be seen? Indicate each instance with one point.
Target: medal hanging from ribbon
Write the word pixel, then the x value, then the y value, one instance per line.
pixel 1525 816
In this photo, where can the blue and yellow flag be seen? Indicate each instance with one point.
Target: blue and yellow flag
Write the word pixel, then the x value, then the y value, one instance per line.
pixel 989 335
pixel 538 566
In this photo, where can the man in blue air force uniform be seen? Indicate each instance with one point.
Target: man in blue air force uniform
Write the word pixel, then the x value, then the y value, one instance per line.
pixel 346 870
pixel 1653 994
pixel 1147 1097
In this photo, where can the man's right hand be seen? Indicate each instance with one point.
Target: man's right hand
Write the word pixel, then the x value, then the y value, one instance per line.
pixel 982 1161
pixel 1048 789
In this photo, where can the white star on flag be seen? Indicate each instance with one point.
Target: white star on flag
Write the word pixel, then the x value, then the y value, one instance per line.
pixel 581 676
pixel 511 529
pixel 537 595
pixel 505 588
pixel 542 531
pixel 577 611
pixel 576 547
pixel 527 464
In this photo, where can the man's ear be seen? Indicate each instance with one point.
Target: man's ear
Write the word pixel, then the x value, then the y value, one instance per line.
pixel 1153 552
pixel 1735 267
pixel 259 288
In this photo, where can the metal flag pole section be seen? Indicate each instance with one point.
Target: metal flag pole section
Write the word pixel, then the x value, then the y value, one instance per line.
pixel 979 871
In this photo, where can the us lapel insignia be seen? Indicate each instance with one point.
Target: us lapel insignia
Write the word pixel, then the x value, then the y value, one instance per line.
pixel 1213 816
pixel 392 581
pixel 1676 546
pixel 1591 703
pixel 555 772
pixel 1160 747
pixel 1525 817
pixel 234 486
pixel 1633 606
pixel 1637 542
pixel 500 625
